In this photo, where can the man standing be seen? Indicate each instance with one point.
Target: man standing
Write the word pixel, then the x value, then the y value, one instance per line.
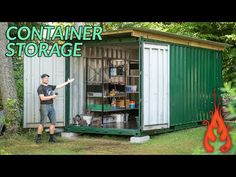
pixel 46 97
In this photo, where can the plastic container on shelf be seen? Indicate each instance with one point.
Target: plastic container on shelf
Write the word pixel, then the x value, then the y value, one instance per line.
pixel 131 88
pixel 97 107
pixel 118 117
pixel 132 104
pixel 88 119
pixel 113 103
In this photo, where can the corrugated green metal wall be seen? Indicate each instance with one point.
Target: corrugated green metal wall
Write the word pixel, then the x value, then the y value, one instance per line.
pixel 194 73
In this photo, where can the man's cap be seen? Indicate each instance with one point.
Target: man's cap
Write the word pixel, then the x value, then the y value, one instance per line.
pixel 44 75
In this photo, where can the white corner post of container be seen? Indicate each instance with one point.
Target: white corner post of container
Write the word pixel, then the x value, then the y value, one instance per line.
pixel 139 139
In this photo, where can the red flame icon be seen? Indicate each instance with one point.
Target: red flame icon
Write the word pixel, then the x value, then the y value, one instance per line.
pixel 217 122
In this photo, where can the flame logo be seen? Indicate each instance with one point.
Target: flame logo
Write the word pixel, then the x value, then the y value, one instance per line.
pixel 217 122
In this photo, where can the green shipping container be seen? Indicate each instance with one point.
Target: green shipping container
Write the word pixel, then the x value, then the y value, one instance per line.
pixel 176 79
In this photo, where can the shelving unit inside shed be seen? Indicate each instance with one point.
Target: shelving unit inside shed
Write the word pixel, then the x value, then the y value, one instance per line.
pixel 112 80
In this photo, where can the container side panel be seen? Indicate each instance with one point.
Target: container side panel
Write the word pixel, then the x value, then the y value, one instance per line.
pixel 194 73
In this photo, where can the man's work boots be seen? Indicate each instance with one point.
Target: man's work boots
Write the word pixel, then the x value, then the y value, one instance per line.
pixel 52 138
pixel 38 139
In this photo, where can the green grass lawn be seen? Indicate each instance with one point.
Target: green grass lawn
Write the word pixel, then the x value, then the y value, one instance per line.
pixel 189 141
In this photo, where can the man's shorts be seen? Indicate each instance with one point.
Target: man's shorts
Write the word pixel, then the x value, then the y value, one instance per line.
pixel 47 110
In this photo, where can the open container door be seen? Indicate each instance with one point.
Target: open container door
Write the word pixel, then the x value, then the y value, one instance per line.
pixel 155 86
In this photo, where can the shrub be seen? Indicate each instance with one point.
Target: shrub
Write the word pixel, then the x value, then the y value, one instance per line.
pixel 12 116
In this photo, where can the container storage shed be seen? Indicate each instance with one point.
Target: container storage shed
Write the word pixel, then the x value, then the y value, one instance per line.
pixel 175 77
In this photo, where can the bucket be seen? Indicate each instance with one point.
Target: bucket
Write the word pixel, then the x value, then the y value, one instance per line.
pixel 88 119
pixel 132 104
pixel 118 117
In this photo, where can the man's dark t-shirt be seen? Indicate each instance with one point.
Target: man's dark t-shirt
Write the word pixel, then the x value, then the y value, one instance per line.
pixel 46 91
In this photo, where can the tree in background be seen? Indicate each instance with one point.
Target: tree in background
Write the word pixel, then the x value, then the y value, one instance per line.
pixel 8 85
pixel 11 81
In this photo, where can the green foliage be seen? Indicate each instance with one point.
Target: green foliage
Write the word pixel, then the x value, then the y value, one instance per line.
pixel 229 66
pixel 148 25
pixel 12 116
pixel 3 152
pixel 19 75
pixel 63 24
pixel 229 94
pixel 216 31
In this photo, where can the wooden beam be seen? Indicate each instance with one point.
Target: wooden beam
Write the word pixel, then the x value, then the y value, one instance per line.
pixel 176 40
pixel 117 32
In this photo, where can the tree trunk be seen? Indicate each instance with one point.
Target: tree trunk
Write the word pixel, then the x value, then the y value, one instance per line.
pixel 7 82
pixel 1 107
